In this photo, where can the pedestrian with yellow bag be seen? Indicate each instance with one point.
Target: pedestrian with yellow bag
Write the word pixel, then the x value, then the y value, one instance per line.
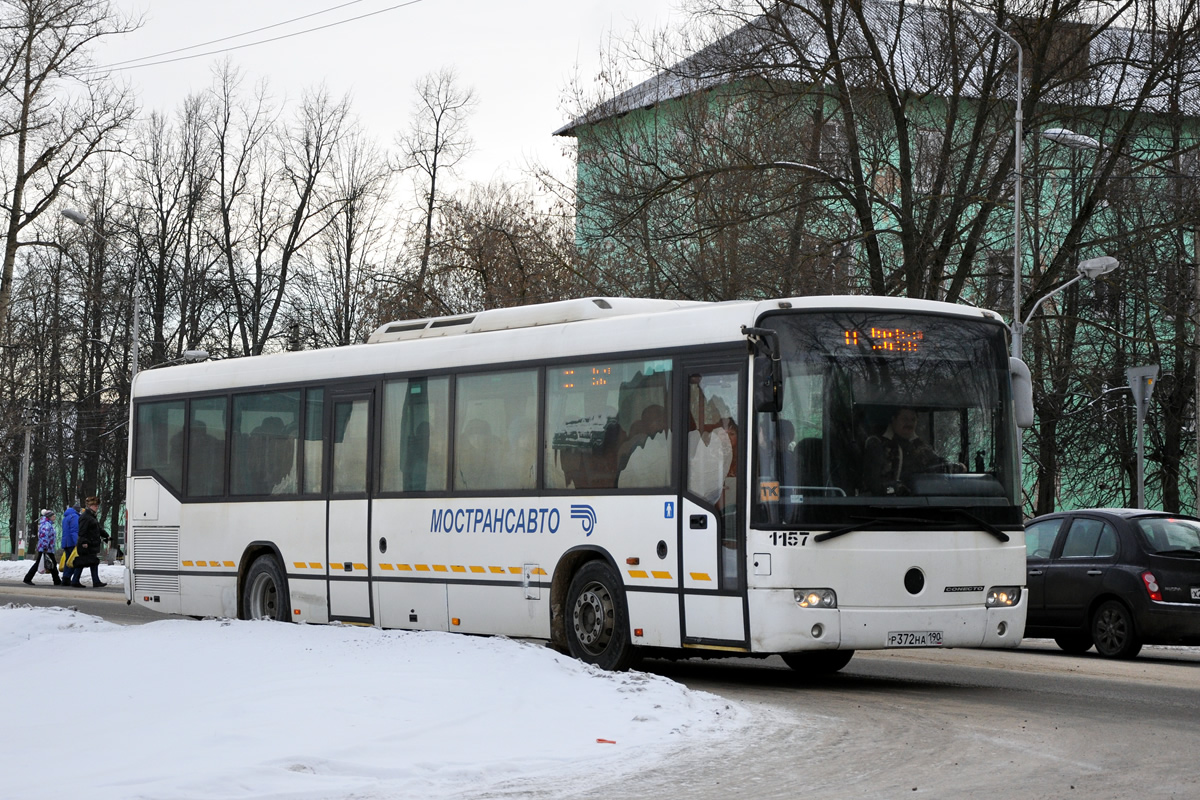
pixel 70 538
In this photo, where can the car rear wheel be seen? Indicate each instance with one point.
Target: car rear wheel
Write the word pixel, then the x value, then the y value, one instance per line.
pixel 1074 643
pixel 1113 632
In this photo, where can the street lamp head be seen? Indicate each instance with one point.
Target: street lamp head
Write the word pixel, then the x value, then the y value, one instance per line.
pixel 1095 267
pixel 78 217
pixel 195 355
pixel 1070 138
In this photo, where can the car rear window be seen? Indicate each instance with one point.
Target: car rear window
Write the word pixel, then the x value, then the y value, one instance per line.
pixel 1169 533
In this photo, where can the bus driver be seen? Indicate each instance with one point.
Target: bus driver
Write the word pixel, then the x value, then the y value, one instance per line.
pixel 890 460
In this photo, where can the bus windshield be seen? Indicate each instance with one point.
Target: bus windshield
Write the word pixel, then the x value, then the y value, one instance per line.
pixel 886 411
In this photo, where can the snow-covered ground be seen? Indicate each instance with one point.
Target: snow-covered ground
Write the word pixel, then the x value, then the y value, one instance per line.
pixel 231 709
pixel 15 571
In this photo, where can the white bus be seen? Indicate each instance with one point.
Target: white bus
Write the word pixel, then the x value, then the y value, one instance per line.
pixel 616 476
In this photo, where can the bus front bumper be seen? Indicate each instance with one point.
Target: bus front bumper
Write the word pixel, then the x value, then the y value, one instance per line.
pixel 779 625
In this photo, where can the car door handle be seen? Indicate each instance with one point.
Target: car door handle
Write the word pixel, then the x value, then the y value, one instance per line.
pixel 1095 572
pixel 699 522
pixel 1035 572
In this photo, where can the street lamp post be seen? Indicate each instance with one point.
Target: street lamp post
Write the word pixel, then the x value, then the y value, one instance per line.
pixel 1092 268
pixel 80 219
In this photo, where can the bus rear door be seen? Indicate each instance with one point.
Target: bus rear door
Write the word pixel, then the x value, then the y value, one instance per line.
pixel 348 517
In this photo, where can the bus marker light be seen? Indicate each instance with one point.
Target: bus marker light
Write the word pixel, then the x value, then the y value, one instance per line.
pixel 633 562
pixel 605 741
pixel 454 620
pixel 296 611
pixel 637 632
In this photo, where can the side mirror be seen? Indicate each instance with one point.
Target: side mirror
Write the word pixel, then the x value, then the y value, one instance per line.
pixel 1022 389
pixel 768 371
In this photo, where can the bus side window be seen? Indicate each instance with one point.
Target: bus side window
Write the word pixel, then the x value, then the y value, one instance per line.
pixel 490 453
pixel 608 425
pixel 206 448
pixel 416 435
pixel 160 440
pixel 266 434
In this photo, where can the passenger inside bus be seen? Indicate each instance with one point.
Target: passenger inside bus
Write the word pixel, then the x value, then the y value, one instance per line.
pixel 893 457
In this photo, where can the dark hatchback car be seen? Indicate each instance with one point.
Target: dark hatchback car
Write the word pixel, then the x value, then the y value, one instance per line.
pixel 1115 578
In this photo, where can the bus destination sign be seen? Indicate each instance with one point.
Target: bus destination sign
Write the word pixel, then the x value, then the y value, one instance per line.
pixel 885 340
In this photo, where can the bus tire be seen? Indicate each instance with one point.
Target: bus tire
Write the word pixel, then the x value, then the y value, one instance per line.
pixel 597 619
pixel 265 592
pixel 818 662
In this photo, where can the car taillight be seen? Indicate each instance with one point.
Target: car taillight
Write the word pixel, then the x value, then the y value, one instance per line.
pixel 1152 586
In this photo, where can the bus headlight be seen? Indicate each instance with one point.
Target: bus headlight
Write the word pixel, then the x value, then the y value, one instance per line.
pixel 1003 596
pixel 816 598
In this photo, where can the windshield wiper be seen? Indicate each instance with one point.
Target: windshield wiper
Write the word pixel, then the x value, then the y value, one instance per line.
pixel 875 522
pixel 987 526
pixel 1178 552
pixel 871 522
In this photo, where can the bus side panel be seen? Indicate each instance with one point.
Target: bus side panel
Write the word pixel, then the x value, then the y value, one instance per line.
pixel 656 614
pixel 214 537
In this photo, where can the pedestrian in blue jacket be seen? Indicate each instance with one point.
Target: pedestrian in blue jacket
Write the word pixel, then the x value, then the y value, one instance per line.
pixel 45 550
pixel 70 537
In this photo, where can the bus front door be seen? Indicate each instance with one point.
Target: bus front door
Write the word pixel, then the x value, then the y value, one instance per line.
pixel 712 546
pixel 349 512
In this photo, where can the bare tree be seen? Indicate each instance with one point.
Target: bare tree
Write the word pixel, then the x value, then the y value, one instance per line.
pixel 436 141
pixel 48 129
pixel 333 287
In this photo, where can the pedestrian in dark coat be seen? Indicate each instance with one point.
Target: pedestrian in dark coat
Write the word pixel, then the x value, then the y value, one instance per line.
pixel 45 548
pixel 70 537
pixel 91 541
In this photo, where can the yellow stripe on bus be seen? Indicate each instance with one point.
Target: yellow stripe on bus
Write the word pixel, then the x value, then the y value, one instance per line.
pixel 187 563
pixel 662 575
pixel 422 568
pixel 700 576
pixel 404 568
pixel 386 566
pixel 360 566
pixel 439 567
pixel 478 569
pixel 638 573
pixel 497 570
pixel 299 564
pixel 314 564
pixel 457 568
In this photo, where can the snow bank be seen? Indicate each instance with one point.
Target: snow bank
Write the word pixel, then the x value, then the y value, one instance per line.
pixel 231 709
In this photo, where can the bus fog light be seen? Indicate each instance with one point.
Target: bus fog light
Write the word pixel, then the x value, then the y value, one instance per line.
pixel 818 631
pixel 1003 596
pixel 1002 629
pixel 816 598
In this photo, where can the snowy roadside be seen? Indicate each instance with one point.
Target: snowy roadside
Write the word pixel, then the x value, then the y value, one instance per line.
pixel 15 570
pixel 230 709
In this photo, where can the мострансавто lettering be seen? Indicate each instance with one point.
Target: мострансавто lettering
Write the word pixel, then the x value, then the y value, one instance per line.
pixel 495 520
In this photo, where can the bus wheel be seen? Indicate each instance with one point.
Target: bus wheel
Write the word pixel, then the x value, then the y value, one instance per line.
pixel 818 662
pixel 598 623
pixel 265 592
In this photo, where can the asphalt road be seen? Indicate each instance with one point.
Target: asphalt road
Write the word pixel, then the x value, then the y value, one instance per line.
pixel 1034 722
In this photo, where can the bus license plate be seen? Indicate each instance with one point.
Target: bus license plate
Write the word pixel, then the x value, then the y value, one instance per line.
pixel 914 639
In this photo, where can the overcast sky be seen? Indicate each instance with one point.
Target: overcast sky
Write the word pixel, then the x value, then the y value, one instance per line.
pixel 517 55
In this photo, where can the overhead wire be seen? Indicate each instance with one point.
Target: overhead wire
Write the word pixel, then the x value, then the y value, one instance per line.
pixel 233 36
pixel 218 51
